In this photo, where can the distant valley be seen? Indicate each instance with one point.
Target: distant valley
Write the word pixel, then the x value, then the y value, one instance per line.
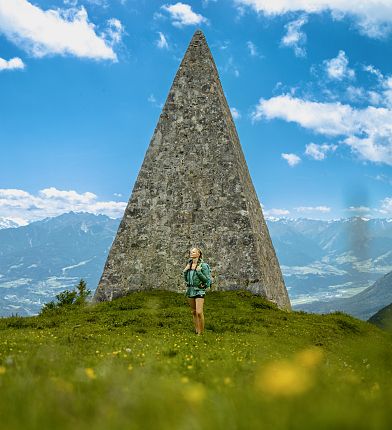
pixel 320 260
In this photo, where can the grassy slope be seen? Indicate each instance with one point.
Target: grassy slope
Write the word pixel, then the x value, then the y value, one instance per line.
pixel 383 318
pixel 136 363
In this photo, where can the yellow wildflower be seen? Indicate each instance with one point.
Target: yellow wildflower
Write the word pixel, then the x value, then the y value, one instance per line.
pixel 283 378
pixel 90 373
pixel 309 357
pixel 194 394
pixel 227 381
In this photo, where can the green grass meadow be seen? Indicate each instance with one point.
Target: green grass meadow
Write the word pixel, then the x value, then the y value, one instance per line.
pixel 135 363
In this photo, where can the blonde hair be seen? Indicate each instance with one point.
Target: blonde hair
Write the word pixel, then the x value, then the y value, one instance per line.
pixel 200 251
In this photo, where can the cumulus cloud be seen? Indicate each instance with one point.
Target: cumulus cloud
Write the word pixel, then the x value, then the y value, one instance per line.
pixel 162 41
pixel 383 93
pixel 386 206
pixel 57 31
pixel 15 203
pixel 337 68
pixel 374 71
pixel 368 131
pixel 276 212
pixel 12 64
pixel 235 113
pixel 373 18
pixel 114 32
pixel 323 209
pixel 292 159
pixel 359 94
pixel 183 15
pixel 294 37
pixel 318 152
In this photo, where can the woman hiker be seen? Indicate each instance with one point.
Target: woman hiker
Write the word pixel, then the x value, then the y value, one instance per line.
pixel 197 276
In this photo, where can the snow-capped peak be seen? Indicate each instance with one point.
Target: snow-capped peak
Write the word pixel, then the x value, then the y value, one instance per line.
pixel 12 222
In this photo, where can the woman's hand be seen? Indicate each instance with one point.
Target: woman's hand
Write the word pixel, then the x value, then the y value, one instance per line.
pixel 187 267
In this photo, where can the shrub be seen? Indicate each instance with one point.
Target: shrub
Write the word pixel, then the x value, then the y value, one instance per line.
pixel 68 298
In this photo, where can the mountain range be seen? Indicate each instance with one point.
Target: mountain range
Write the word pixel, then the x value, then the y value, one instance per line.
pixel 362 305
pixel 39 260
pixel 320 260
pixel 383 318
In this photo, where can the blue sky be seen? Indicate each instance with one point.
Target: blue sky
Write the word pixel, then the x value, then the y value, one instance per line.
pixel 82 83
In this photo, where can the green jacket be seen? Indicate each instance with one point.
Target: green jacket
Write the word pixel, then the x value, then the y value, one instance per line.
pixel 201 279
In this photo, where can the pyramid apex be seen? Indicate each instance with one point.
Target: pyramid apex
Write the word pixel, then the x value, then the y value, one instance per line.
pixel 198 36
pixel 199 32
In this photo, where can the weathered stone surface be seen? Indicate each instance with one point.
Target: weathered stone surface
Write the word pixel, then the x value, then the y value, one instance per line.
pixel 193 189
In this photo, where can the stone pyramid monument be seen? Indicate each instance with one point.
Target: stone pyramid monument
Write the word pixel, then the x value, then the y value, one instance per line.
pixel 193 189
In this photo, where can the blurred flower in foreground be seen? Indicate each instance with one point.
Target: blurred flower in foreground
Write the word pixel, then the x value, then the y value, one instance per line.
pixel 62 385
pixel 90 373
pixel 2 370
pixel 194 394
pixel 309 357
pixel 289 377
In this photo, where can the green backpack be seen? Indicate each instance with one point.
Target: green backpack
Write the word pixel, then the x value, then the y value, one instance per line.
pixel 211 279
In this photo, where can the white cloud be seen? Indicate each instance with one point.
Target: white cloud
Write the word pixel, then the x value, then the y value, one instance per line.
pixel 276 212
pixel 235 113
pixel 206 2
pixel 292 159
pixel 386 205
pixel 323 209
pixel 358 209
pixel 382 95
pixel 69 196
pixel 295 38
pixel 15 203
pixel 318 152
pixel 375 98
pixel 325 118
pixel 162 41
pixel 373 18
pixel 183 15
pixel 367 131
pixel 12 64
pixel 56 31
pixel 387 91
pixel 381 177
pixel 371 69
pixel 357 94
pixel 337 68
pixel 152 99
pixel 231 67
pixel 101 3
pixel 114 31
pixel 378 95
pixel 252 48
